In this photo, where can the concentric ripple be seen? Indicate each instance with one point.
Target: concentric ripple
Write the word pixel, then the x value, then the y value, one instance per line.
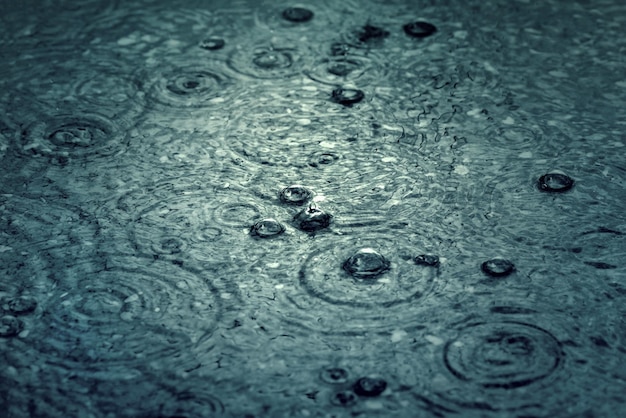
pixel 361 290
pixel 271 60
pixel 189 218
pixel 65 137
pixel 505 355
pixel 194 86
pixel 131 314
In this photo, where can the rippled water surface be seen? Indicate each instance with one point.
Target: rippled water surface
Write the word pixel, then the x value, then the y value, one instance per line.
pixel 323 209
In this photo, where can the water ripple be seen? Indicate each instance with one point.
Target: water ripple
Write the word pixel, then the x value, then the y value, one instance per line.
pixel 112 320
pixel 360 305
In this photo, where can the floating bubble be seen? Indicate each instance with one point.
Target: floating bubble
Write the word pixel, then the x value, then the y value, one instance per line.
pixel 334 375
pixel 497 267
pixel 22 305
pixel 10 326
pixel 366 263
pixel 345 398
pixel 427 260
pixel 297 14
pixel 266 61
pixel 312 219
pixel 267 228
pixel 347 97
pixel 295 195
pixel 212 43
pixel 419 29
pixel 369 32
pixel 370 387
pixel 555 183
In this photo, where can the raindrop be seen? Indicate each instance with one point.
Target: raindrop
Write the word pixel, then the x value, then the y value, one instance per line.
pixel 427 260
pixel 370 386
pixel 271 59
pixel 334 375
pixel 295 195
pixel 419 29
pixel 366 263
pixel 369 32
pixel 22 305
pixel 344 398
pixel 297 14
pixel 312 219
pixel 213 43
pixel 267 228
pixel 497 267
pixel 10 326
pixel 555 182
pixel 347 97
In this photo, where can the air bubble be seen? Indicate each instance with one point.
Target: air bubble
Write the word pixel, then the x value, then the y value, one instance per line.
pixel 366 263
pixel 497 267
pixel 419 29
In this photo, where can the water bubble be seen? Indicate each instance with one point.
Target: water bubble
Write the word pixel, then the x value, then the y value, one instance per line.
pixel 347 97
pixel 369 32
pixel 270 59
pixel 267 228
pixel 427 260
pixel 555 182
pixel 344 398
pixel 334 375
pixel 497 267
pixel 295 195
pixel 22 305
pixel 212 44
pixel 366 263
pixel 312 219
pixel 419 29
pixel 370 386
pixel 297 14
pixel 10 326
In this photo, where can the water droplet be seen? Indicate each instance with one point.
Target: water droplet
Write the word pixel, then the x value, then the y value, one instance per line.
pixel 497 267
pixel 366 263
pixel 22 305
pixel 271 59
pixel 334 375
pixel 297 14
pixel 312 219
pixel 213 43
pixel 427 260
pixel 369 32
pixel 419 29
pixel 555 182
pixel 370 386
pixel 344 398
pixel 295 195
pixel 267 228
pixel 10 326
pixel 347 97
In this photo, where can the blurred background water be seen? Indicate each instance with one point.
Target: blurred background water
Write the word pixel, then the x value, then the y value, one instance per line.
pixel 272 209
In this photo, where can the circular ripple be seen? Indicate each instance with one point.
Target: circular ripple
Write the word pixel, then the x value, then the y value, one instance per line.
pixel 129 315
pixel 31 224
pixel 194 86
pixel 267 61
pixel 188 218
pixel 503 355
pixel 354 305
pixel 77 135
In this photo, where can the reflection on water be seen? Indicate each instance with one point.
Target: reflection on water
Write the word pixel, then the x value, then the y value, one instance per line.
pixel 334 209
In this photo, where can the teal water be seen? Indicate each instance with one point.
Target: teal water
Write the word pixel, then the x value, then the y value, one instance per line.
pixel 326 209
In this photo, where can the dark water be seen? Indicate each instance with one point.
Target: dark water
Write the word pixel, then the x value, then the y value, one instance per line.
pixel 453 245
